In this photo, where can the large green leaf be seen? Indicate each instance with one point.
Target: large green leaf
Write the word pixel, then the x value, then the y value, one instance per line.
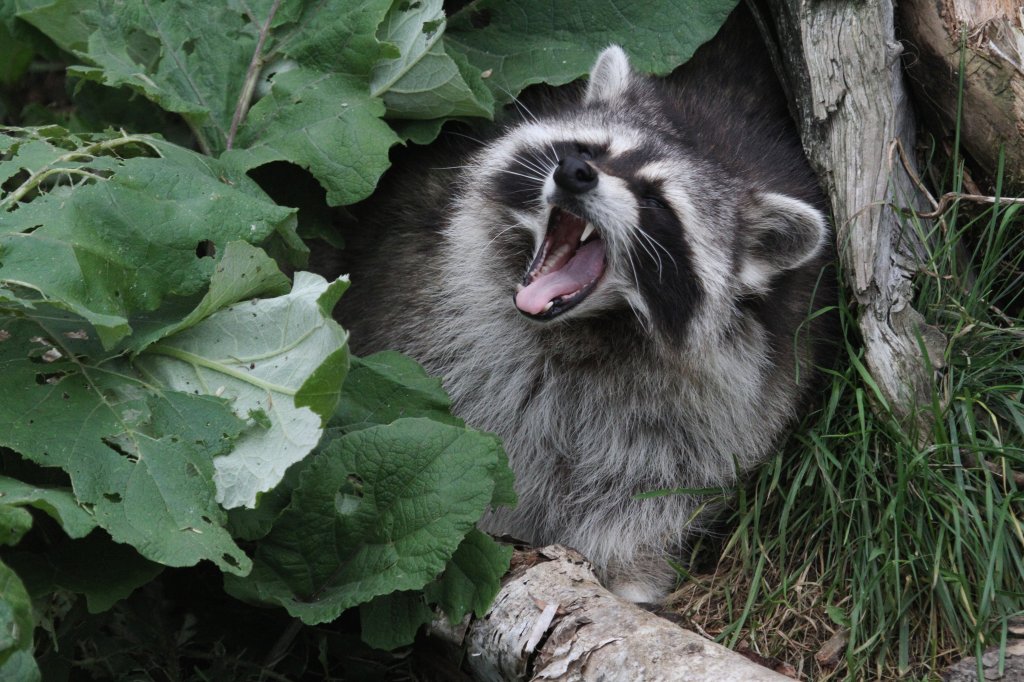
pixel 140 458
pixel 111 226
pixel 423 81
pixel 472 578
pixel 261 355
pixel 244 272
pixel 387 386
pixel 520 42
pixel 378 510
pixel 325 122
pixel 310 104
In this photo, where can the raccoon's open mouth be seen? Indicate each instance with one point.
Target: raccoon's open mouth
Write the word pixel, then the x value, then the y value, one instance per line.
pixel 567 267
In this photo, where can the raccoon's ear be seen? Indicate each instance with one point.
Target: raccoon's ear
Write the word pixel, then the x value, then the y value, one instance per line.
pixel 610 75
pixel 780 233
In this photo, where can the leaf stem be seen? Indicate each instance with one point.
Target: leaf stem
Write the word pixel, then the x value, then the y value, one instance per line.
pixel 251 75
pixel 38 176
pixel 221 367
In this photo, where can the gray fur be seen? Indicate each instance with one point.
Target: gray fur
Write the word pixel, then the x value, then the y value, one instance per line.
pixel 678 371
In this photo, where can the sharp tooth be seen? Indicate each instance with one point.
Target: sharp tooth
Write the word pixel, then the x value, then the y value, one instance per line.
pixel 519 287
pixel 587 231
pixel 548 306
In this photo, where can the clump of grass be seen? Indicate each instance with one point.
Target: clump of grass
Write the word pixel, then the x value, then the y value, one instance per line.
pixel 903 540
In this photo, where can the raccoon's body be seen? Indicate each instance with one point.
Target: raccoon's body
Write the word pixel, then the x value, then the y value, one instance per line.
pixel 620 287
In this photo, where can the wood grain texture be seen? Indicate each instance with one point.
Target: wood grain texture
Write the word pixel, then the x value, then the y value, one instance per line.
pixel 841 64
pixel 552 620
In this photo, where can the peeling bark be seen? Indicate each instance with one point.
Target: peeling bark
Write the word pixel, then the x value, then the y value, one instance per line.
pixel 552 620
pixel 840 63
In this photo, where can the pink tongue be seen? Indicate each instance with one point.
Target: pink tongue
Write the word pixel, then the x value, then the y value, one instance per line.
pixel 583 268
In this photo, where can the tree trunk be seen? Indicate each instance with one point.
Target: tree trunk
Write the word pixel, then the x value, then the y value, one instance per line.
pixel 552 620
pixel 987 38
pixel 840 63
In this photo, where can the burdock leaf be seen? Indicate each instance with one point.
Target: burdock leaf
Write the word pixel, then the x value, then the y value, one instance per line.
pixel 472 578
pixel 140 458
pixel 386 386
pixel 111 227
pixel 424 82
pixel 259 355
pixel 324 122
pixel 377 510
pixel 520 42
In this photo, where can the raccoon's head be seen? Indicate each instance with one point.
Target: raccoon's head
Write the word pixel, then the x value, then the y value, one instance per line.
pixel 621 212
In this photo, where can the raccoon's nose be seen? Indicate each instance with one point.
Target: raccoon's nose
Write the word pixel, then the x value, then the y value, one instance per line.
pixel 575 175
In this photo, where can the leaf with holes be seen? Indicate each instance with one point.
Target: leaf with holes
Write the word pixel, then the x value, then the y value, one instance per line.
pixel 311 105
pixel 140 458
pixel 279 361
pixel 112 227
pixel 377 510
pixel 424 81
pixel 244 272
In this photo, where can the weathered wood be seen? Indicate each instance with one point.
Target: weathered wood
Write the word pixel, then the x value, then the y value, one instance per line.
pixel 841 64
pixel 987 38
pixel 996 666
pixel 552 620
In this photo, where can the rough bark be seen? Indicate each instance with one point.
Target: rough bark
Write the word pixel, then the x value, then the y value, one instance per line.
pixel 987 38
pixel 552 620
pixel 841 65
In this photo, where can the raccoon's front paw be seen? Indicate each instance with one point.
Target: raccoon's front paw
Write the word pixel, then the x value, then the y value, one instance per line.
pixel 639 592
pixel 646 581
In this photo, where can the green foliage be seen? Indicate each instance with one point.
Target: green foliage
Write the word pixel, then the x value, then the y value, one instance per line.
pixel 377 510
pixel 170 398
pixel 535 41
pixel 130 207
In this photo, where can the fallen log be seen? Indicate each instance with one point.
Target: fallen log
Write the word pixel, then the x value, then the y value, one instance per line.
pixel 966 64
pixel 552 620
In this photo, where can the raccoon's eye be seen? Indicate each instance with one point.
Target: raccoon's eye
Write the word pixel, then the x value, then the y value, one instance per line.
pixel 584 152
pixel 652 202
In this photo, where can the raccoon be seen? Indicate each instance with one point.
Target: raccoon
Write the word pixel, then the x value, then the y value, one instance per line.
pixel 621 284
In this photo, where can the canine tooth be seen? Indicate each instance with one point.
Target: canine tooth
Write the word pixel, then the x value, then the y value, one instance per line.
pixel 587 231
pixel 548 306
